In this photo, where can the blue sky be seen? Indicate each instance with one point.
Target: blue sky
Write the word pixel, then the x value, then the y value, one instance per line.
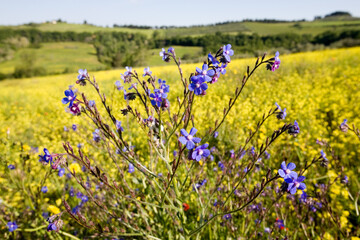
pixel 166 12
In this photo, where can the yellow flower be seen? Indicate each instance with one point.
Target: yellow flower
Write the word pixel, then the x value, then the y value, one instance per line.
pixel 75 167
pixel 53 209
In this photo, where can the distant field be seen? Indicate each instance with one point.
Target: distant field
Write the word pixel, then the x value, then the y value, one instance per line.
pixel 182 52
pixel 313 28
pixel 57 57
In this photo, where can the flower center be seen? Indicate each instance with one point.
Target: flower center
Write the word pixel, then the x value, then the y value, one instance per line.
pixel 288 171
pixel 200 152
pixel 204 72
pixel 297 184
pixel 189 137
pixel 197 85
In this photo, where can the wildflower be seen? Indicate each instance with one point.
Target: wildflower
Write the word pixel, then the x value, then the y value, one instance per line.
pixel 282 114
pixel 83 75
pixel 118 126
pixel 70 97
pixel 163 90
pixel 51 227
pixel 200 152
pixel 84 198
pixel 12 226
pixel 213 60
pixel 131 168
pixel 199 184
pixel 303 197
pixel 147 72
pixel 222 68
pixel 119 86
pixel 189 139
pixel 71 192
pixel 267 230
pixel 267 155
pixel 44 189
pixel 11 167
pixel 286 171
pixel 276 63
pixel 66 129
pixel 198 85
pixel 157 100
pixel 221 166
pixel 171 50
pixel 175 153
pixel 74 127
pixel 205 73
pixel 343 126
pixel 127 75
pixel 279 223
pixel 227 52
pixel 345 179
pixel 164 55
pixel 75 109
pixel 216 134
pixel 61 171
pixel 295 183
pixel 294 129
pixel 186 206
pixel 96 136
pixel 252 151
pixel 46 158
pixel 227 216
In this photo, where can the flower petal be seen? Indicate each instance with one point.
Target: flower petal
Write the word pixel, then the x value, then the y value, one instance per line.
pixel 193 131
pixel 184 132
pixel 283 165
pixel 291 166
pixel 196 140
pixel 281 173
pixel 302 186
pixel 182 140
pixel 190 145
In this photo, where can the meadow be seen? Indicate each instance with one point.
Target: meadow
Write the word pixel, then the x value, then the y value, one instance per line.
pixel 319 90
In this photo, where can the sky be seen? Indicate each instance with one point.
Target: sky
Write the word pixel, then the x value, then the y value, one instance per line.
pixel 167 12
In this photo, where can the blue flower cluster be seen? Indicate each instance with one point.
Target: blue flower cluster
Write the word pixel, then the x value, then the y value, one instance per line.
pixel 159 97
pixel 291 178
pixel 188 139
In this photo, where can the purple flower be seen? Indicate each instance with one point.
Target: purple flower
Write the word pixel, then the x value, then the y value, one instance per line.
pixel 227 216
pixel 221 166
pixel 127 75
pixel 119 86
pixel 198 85
pixel 267 155
pixel 282 114
pixel 294 129
pixel 295 183
pixel 343 126
pixel 12 226
pixel 75 109
pixel 286 171
pixel 232 153
pixel 189 139
pixel 222 68
pixel 163 90
pixel 91 103
pixel 131 168
pixel 227 52
pixel 200 152
pixel 71 192
pixel 147 72
pixel 156 99
pixel 46 158
pixel 323 155
pixel 70 97
pixel 303 197
pixel 118 126
pixel 276 63
pixel 44 189
pixel 66 129
pixel 216 134
pixel 11 167
pixel 74 127
pixel 164 55
pixel 84 198
pixel 51 227
pixel 345 179
pixel 205 73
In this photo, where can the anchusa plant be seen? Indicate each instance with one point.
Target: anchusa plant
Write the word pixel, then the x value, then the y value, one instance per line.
pixel 187 178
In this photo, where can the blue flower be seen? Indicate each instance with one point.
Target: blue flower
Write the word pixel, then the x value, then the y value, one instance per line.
pixel 295 183
pixel 294 129
pixel 227 216
pixel 343 126
pixel 227 52
pixel 51 227
pixel 131 168
pixel 118 126
pixel 200 152
pixel 44 189
pixel 71 192
pixel 286 171
pixel 189 139
pixel 164 55
pixel 147 72
pixel 118 85
pixel 84 199
pixel 267 155
pixel 96 136
pixel 216 134
pixel 282 114
pixel 74 127
pixel 222 68
pixel 46 158
pixel 83 74
pixel 221 166
pixel 171 50
pixel 70 97
pixel 276 63
pixel 11 167
pixel 213 60
pixel 323 155
pixel 127 75
pixel 198 85
pixel 199 184
pixel 205 73
pixel 303 197
pixel 91 103
pixel 61 171
pixel 163 90
pixel 156 99
pixel 12 226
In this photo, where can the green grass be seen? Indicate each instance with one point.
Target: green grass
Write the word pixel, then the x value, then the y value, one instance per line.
pixel 57 57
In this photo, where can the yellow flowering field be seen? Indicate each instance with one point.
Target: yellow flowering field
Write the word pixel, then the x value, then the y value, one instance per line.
pixel 318 89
